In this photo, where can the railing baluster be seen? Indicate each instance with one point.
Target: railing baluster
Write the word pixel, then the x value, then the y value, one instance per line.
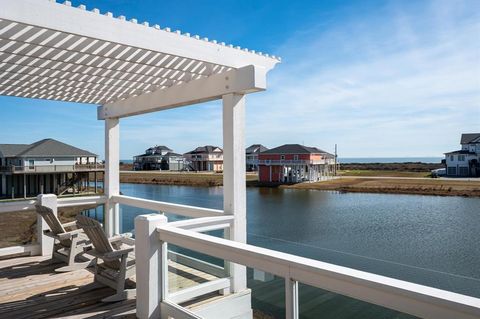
pixel 291 299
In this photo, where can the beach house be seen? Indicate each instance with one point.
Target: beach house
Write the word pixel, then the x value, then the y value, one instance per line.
pixel 125 67
pixel 159 158
pixel 206 158
pixel 251 156
pixel 466 161
pixel 294 163
pixel 46 166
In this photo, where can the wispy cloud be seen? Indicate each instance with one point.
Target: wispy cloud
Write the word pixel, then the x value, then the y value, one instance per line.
pixel 404 81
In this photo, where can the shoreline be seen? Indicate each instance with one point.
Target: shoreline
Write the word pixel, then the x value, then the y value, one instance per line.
pixel 355 184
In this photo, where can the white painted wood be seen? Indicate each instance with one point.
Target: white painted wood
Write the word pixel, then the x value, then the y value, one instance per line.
pixel 234 306
pixel 112 175
pixel 291 299
pixel 33 250
pixel 202 222
pixel 414 299
pixel 198 264
pixel 170 310
pixel 46 242
pixel 105 28
pixel 234 184
pixel 149 269
pixel 178 209
pixel 29 205
pixel 245 80
pixel 190 293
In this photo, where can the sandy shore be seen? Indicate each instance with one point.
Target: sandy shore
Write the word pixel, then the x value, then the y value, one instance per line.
pixel 416 186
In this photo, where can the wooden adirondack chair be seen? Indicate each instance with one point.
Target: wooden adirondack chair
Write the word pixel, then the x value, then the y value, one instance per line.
pixel 68 245
pixel 118 259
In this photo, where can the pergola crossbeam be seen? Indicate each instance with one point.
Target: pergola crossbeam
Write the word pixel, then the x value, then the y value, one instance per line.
pixel 245 80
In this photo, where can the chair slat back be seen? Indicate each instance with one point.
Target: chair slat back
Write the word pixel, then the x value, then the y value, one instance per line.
pixel 95 233
pixel 50 218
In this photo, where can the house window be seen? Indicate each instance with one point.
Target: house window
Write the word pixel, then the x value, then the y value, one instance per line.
pixel 295 157
pixel 31 164
pixel 461 158
pixel 282 157
pixel 452 171
pixel 451 158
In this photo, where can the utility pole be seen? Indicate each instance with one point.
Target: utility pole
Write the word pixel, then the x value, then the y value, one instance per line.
pixel 335 166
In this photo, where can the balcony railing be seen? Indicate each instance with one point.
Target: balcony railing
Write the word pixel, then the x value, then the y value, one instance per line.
pixel 153 233
pixel 51 168
pixel 293 162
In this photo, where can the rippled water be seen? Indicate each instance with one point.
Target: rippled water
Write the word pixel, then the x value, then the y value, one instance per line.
pixel 430 240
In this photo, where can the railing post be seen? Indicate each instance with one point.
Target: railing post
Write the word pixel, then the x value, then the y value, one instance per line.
pixel 291 299
pixel 234 187
pixel 151 265
pixel 46 243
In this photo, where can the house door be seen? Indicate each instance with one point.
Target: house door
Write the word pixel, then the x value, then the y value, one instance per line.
pixel 31 164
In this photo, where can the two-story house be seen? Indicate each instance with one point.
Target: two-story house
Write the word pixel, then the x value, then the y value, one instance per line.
pixel 206 158
pixel 46 166
pixel 466 161
pixel 251 156
pixel 293 163
pixel 159 158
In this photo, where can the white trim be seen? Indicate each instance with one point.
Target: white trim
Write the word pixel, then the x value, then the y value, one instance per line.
pixel 178 209
pixel 247 79
pixel 199 290
pixel 33 249
pixel 170 310
pixel 29 205
pixel 407 297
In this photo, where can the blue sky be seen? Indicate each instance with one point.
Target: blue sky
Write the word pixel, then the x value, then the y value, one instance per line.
pixel 379 78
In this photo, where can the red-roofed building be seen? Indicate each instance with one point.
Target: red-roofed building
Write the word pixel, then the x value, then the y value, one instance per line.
pixel 294 163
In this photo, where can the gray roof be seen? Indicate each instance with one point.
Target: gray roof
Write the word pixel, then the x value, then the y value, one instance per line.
pixel 469 138
pixel 461 152
pixel 204 149
pixel 295 149
pixel 255 148
pixel 42 148
pixel 159 147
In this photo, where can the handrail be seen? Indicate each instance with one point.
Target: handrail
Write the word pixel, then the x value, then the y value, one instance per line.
pixel 28 205
pixel 407 297
pixel 178 209
pixel 51 168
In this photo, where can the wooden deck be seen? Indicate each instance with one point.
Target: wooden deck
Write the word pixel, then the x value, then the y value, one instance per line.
pixel 30 288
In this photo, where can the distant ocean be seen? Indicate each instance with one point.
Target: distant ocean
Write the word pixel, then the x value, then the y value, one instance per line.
pixel 389 159
pixel 370 160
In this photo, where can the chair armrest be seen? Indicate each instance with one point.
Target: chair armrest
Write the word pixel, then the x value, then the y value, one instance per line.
pixel 69 234
pixel 120 237
pixel 70 224
pixel 117 253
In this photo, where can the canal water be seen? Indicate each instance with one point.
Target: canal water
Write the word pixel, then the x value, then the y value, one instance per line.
pixel 429 240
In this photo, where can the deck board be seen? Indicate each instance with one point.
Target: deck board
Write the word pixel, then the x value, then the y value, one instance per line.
pixel 30 288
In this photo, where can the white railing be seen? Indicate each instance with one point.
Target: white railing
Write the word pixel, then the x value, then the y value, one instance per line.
pixel 29 205
pixel 52 168
pixel 406 297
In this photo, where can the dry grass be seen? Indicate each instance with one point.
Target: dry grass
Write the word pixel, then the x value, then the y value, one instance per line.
pixel 444 187
pixel 384 173
pixel 177 178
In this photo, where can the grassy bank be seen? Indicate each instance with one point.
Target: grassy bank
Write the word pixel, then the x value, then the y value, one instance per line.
pixel 177 178
pixel 382 173
pixel 443 187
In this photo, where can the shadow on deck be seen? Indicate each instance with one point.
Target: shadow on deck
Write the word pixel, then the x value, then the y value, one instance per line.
pixel 30 288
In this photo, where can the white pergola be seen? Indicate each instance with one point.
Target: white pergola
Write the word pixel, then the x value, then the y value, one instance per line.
pixel 57 52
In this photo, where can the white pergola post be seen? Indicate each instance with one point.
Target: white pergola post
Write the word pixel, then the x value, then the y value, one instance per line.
pixel 234 188
pixel 112 175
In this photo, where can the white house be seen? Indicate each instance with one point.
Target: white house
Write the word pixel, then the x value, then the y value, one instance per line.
pixel 206 158
pixel 159 158
pixel 466 161
pixel 44 166
pixel 251 154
